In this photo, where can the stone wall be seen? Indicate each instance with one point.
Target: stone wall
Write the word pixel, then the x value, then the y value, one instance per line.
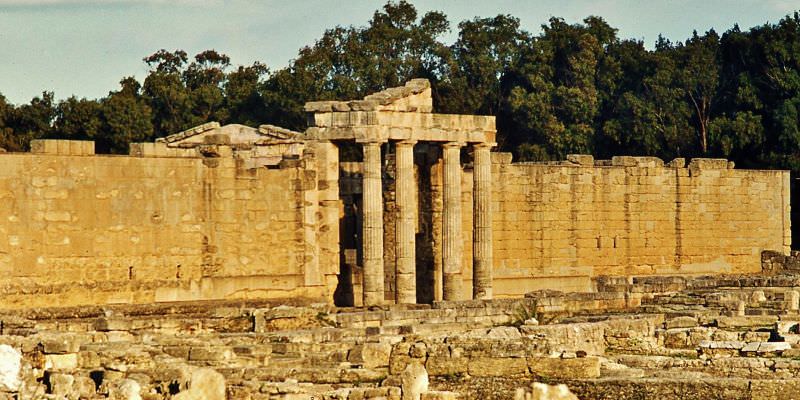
pixel 82 229
pixel 559 225
pixel 200 223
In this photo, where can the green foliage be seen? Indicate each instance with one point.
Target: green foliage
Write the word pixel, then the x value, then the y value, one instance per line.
pixel 574 88
pixel 127 117
pixel 524 312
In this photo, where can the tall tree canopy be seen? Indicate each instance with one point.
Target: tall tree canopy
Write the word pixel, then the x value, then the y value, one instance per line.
pixel 573 88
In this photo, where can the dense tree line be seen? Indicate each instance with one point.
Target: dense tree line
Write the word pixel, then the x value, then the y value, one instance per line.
pixel 574 88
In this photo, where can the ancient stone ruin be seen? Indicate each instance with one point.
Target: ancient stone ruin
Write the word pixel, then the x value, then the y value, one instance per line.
pixel 387 253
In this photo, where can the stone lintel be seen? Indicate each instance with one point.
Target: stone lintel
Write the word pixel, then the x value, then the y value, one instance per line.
pixel 363 134
pixel 404 119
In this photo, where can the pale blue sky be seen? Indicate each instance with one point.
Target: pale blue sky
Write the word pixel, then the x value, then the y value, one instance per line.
pixel 84 47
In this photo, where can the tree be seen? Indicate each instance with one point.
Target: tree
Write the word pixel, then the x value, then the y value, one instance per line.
pixel 7 138
pixel 243 99
pixel 650 116
pixel 477 64
pixel 554 102
pixel 204 79
pixel 127 118
pixel 30 121
pixel 78 119
pixel 166 93
pixel 698 76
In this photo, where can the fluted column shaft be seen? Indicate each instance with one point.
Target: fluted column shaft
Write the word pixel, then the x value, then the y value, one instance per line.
pixel 482 222
pixel 452 245
pixel 405 252
pixel 372 225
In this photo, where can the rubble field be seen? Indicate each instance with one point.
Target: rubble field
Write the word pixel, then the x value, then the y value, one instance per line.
pixel 720 337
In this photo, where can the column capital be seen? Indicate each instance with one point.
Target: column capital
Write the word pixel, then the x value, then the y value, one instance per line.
pixel 405 142
pixel 484 145
pixel 452 145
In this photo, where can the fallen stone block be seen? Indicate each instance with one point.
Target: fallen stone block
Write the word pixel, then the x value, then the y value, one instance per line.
pixel 61 384
pixel 84 387
pixel 752 321
pixel 610 369
pixel 415 381
pixel 587 337
pixel 126 389
pixel 446 365
pixel 210 354
pixel 61 344
pixel 720 335
pixel 752 336
pixel 503 332
pixel 676 338
pixel 765 349
pixel 541 391
pixel 204 384
pixel 681 322
pixel 10 363
pixel 61 362
pixel 371 355
pixel 727 344
pixel 493 366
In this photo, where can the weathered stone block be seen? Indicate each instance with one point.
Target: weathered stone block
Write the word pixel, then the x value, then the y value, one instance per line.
pixel 371 355
pixel 681 322
pixel 414 380
pixel 561 368
pixel 204 384
pixel 752 321
pixel 61 344
pixel 61 384
pixel 445 365
pixel 61 362
pixel 492 366
pixel 585 160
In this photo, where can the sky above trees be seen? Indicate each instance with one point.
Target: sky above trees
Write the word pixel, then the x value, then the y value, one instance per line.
pixel 83 47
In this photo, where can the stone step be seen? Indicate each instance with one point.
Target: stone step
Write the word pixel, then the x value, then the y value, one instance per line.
pixel 398 318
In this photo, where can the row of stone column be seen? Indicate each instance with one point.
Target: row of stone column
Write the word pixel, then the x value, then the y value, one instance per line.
pixel 452 244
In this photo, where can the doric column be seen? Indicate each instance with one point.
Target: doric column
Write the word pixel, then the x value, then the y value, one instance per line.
pixel 406 274
pixel 451 230
pixel 372 225
pixel 482 220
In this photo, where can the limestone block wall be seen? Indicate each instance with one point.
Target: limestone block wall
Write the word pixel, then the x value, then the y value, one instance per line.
pixel 558 226
pixel 82 229
pixel 191 224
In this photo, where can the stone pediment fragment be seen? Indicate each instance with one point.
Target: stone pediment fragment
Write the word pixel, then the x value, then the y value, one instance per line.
pixel 232 134
pixel 414 96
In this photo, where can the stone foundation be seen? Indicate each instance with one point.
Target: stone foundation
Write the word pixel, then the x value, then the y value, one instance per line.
pixel 711 337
